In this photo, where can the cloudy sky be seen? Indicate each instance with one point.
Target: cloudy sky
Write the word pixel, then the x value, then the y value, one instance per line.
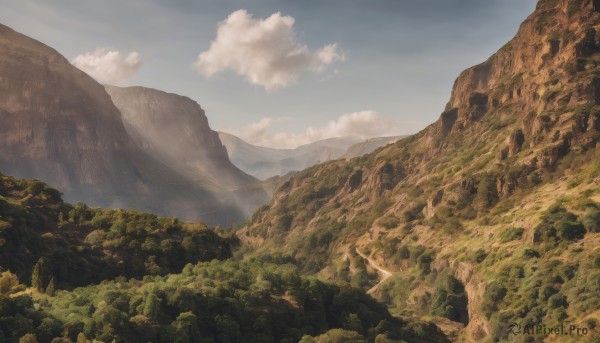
pixel 281 72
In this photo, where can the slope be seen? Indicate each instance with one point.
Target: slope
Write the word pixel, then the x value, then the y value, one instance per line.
pixel 492 211
pixel 59 125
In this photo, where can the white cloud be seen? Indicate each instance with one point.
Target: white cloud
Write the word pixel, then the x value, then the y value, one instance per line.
pixel 108 66
pixel 365 124
pixel 265 51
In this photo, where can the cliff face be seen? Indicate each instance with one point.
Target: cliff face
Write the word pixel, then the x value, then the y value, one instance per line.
pixel 59 125
pixel 473 205
pixel 174 129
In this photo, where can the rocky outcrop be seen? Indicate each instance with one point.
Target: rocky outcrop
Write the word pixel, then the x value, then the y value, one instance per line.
pixel 515 142
pixel 59 125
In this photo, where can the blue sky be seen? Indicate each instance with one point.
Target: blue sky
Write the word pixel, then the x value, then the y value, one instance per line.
pixel 391 72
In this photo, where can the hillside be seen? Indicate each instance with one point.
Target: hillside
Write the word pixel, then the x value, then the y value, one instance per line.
pixel 59 125
pixel 142 278
pixel 488 216
pixel 81 245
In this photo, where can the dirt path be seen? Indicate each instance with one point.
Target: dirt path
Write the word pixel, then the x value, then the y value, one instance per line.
pixel 385 274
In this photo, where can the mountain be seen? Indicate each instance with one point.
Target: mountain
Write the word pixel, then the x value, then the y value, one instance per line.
pixel 174 129
pixel 369 145
pixel 489 216
pixel 59 125
pixel 263 162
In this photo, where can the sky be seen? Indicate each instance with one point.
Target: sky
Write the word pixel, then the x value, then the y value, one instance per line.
pixel 281 73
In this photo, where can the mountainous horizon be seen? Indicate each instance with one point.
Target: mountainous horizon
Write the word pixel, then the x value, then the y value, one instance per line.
pixel 482 227
pixel 264 162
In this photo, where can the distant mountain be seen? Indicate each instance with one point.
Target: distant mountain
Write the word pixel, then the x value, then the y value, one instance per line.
pixel 263 163
pixel 174 129
pixel 59 125
pixel 369 146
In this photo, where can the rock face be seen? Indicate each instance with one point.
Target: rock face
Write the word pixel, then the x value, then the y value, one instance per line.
pixel 58 125
pixel 174 129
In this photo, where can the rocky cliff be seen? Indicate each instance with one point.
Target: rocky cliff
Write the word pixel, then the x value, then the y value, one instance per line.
pixel 174 129
pixel 489 212
pixel 58 125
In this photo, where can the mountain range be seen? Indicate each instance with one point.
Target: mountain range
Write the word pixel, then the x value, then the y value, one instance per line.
pixel 263 162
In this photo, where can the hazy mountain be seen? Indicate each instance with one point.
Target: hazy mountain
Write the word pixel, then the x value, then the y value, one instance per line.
pixel 369 145
pixel 174 129
pixel 489 216
pixel 263 162
pixel 59 125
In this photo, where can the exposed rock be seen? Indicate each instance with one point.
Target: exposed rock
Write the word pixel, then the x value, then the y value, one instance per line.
pixel 469 185
pixel 554 46
pixel 447 119
pixel 354 180
pixel 594 121
pixel 541 125
pixel 587 45
pixel 383 178
pixel 515 142
pixel 477 105
pixel 434 202
pixel 550 155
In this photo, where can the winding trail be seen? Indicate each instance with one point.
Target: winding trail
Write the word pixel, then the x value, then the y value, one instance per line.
pixel 385 274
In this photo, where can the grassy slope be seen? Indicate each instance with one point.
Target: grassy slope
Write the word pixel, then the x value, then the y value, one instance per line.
pixel 438 205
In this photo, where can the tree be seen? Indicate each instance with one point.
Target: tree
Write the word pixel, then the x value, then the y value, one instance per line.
pixel 37 280
pixel 28 338
pixel 151 306
pixel 9 283
pixel 51 289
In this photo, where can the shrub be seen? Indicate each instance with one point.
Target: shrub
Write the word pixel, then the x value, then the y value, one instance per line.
pixel 557 300
pixel 570 231
pixel 530 253
pixel 511 234
pixel 479 255
pixel 591 220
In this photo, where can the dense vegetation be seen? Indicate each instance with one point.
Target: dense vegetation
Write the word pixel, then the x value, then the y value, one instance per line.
pixel 79 245
pixel 150 283
pixel 258 300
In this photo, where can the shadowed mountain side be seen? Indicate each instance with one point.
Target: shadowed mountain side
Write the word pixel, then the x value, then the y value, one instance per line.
pixel 174 129
pixel 59 125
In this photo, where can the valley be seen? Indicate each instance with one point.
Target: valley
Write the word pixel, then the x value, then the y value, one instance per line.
pixel 485 221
